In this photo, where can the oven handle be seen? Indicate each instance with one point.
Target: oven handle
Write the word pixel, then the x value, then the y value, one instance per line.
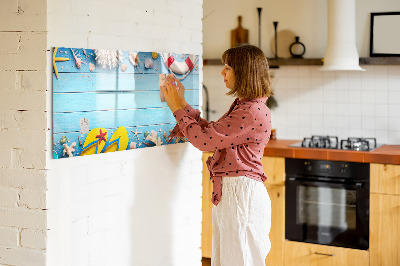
pixel 357 185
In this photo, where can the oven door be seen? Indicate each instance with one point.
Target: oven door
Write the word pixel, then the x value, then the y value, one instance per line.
pixel 327 213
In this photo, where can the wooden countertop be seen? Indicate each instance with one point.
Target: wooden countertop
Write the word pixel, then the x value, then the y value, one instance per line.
pixel 389 154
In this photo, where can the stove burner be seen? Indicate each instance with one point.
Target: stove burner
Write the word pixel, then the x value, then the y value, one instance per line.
pixel 358 144
pixel 328 142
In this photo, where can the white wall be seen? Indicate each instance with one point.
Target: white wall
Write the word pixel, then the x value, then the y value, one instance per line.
pixel 22 132
pixel 311 102
pixel 137 207
pixel 305 18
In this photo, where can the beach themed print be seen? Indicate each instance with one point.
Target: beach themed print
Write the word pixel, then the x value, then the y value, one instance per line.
pixel 109 100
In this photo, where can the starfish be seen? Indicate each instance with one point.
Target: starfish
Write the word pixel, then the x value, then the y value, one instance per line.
pixel 136 133
pixel 57 59
pixel 102 136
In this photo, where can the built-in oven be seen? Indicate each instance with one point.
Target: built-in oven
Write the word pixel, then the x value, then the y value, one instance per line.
pixel 327 202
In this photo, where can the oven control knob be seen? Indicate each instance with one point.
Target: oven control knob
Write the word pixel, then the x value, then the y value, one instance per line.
pixel 343 168
pixel 308 166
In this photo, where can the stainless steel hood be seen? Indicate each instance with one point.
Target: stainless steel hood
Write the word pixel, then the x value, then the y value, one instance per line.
pixel 341 51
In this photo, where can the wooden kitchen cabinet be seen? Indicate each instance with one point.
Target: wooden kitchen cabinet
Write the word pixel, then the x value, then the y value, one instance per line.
pixel 305 254
pixel 206 225
pixel 274 168
pixel 277 233
pixel 385 178
pixel 384 236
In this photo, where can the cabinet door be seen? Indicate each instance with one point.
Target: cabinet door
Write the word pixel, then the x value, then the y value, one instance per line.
pixel 304 254
pixel 206 232
pixel 277 233
pixel 385 178
pixel 384 229
pixel 274 168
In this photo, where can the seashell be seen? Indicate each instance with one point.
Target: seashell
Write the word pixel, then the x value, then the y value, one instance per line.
pixel 63 139
pixel 134 58
pixel 123 67
pixel 148 63
pixel 154 55
pixel 133 145
pixel 92 67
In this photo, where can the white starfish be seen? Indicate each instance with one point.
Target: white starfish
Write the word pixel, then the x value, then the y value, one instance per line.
pixel 136 133
pixel 69 150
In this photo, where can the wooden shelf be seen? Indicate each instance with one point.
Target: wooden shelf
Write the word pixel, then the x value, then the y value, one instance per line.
pixel 274 63
pixel 380 61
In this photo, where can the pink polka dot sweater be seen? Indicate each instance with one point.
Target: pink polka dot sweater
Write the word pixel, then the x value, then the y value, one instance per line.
pixel 238 139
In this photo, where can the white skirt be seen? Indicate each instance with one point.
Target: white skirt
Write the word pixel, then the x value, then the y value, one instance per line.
pixel 241 223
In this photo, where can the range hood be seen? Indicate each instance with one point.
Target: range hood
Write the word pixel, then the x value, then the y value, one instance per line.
pixel 341 51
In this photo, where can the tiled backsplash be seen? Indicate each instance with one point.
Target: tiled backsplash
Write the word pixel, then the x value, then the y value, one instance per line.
pixel 342 103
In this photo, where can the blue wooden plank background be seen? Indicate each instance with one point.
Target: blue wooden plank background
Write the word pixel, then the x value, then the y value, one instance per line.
pixel 89 82
pixel 109 98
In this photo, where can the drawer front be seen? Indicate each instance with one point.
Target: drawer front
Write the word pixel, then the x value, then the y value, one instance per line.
pixel 297 253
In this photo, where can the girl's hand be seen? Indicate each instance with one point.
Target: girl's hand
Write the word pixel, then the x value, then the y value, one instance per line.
pixel 181 90
pixel 171 95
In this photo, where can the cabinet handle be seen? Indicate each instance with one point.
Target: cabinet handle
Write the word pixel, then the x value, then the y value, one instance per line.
pixel 325 254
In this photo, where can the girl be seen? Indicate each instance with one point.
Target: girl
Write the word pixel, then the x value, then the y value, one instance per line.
pixel 242 209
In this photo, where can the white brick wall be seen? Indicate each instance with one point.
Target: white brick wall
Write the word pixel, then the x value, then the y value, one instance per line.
pixel 23 128
pixel 140 207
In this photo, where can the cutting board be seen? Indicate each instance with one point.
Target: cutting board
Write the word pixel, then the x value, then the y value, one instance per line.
pixel 239 35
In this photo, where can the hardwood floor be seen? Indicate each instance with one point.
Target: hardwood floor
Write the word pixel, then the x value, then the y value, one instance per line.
pixel 206 261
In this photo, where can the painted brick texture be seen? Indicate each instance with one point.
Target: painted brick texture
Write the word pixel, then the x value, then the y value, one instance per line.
pixel 117 209
pixel 23 218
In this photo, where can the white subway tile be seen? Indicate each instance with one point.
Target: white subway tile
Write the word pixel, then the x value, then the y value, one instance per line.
pixel 342 122
pixel 355 132
pixel 342 109
pixel 381 97
pixel 394 83
pixel 367 96
pixel 291 71
pixel 355 96
pixel 368 110
pixel 354 81
pixel 368 123
pixel 342 97
pixel 381 110
pixel 329 123
pixel 394 97
pixel 355 122
pixel 394 110
pixel 394 123
pixel 382 123
pixel 304 73
pixel 380 71
pixel 382 136
pixel 329 109
pixel 394 137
